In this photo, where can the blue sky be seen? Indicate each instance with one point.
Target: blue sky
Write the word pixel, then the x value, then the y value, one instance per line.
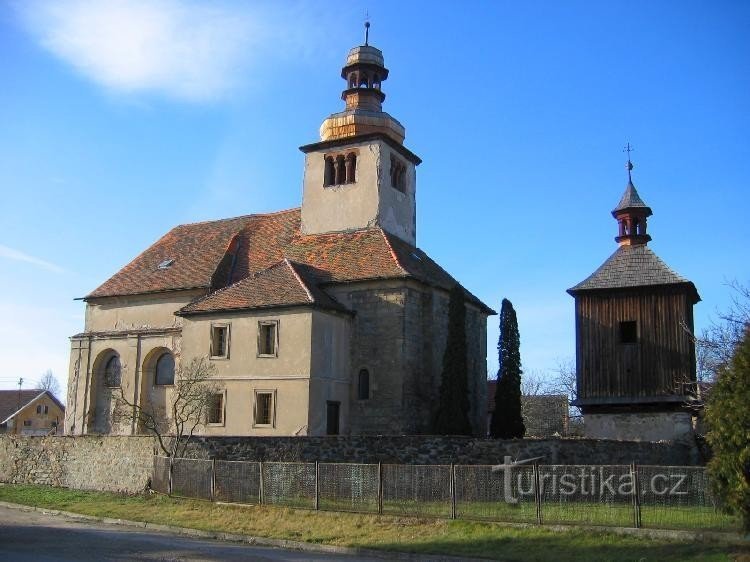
pixel 119 120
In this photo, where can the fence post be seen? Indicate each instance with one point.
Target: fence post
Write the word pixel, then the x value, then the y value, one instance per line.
pixel 169 485
pixel 380 488
pixel 453 491
pixel 537 493
pixel 317 486
pixel 261 492
pixel 636 495
pixel 213 479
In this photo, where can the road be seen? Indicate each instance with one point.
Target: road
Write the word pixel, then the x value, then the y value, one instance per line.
pixel 33 536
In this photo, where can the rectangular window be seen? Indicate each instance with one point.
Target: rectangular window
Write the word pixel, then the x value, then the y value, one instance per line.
pixel 268 339
pixel 332 418
pixel 46 409
pixel 216 408
pixel 39 409
pixel 264 408
pixel 628 332
pixel 27 423
pixel 220 341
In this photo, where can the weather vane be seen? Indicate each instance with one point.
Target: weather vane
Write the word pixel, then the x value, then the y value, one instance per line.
pixel 629 165
pixel 367 28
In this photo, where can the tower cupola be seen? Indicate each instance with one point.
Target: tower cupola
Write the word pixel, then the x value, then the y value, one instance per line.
pixel 631 214
pixel 364 72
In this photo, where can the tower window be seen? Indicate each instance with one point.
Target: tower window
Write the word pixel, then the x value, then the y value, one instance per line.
pixel 340 169
pixel 329 174
pixel 628 332
pixel 398 174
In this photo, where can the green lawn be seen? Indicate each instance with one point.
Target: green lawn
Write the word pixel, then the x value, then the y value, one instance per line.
pixel 407 534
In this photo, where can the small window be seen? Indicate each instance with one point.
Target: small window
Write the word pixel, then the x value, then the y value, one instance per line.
pixel 264 411
pixel 166 264
pixel 164 370
pixel 220 341
pixel 363 387
pixel 27 423
pixel 268 339
pixel 628 332
pixel 113 372
pixel 332 417
pixel 46 409
pixel 398 174
pixel 216 408
pixel 39 409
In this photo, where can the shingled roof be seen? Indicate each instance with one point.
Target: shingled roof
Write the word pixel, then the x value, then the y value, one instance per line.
pixel 632 266
pixel 630 199
pixel 222 254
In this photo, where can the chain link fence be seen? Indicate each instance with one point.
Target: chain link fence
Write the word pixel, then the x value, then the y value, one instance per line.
pixel 666 497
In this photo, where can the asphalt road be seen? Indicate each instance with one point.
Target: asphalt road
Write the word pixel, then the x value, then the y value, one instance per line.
pixel 33 536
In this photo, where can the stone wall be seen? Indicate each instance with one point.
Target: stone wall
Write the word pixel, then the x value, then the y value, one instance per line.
pixel 441 450
pixel 112 463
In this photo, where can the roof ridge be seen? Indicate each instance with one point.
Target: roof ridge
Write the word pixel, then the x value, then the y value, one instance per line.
pixel 393 252
pixel 299 279
pixel 248 216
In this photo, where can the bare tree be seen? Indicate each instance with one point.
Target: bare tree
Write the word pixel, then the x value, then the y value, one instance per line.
pixel 49 382
pixel 533 383
pixel 716 344
pixel 186 408
pixel 565 382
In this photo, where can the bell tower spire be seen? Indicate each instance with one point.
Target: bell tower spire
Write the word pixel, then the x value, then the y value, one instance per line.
pixel 360 175
pixel 631 212
pixel 364 72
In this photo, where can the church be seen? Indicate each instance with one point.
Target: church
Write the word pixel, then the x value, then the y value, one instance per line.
pixel 325 319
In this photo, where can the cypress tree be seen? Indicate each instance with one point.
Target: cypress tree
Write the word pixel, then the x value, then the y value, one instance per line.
pixel 453 410
pixel 728 417
pixel 507 420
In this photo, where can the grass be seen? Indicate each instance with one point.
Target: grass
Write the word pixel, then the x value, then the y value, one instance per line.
pixel 425 536
pixel 567 513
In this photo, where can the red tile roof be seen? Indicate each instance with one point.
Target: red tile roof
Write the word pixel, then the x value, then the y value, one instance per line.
pixel 223 254
pixel 283 284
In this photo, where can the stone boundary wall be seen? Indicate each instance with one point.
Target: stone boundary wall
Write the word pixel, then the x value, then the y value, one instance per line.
pixel 441 450
pixel 124 464
pixel 111 463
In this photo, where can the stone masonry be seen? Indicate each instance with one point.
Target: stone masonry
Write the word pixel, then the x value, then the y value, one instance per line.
pixel 112 463
pixel 440 450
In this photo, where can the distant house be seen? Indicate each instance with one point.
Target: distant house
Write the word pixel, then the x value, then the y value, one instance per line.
pixel 544 415
pixel 30 412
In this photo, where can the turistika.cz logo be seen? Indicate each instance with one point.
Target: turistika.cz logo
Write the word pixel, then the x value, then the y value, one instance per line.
pixel 592 482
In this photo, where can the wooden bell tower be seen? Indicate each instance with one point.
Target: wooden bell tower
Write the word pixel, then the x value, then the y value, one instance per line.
pixel 635 358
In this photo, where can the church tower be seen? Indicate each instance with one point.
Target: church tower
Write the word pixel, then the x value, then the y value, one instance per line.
pixel 360 174
pixel 635 359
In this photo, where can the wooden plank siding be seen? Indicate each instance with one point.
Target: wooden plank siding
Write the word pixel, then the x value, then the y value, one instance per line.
pixel 651 370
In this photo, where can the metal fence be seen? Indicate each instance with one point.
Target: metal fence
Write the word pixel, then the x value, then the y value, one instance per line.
pixel 667 497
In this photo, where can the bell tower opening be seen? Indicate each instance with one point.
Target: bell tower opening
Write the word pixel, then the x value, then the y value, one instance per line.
pixel 631 213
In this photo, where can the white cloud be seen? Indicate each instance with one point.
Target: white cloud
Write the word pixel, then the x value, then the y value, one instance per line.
pixel 194 51
pixel 11 254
